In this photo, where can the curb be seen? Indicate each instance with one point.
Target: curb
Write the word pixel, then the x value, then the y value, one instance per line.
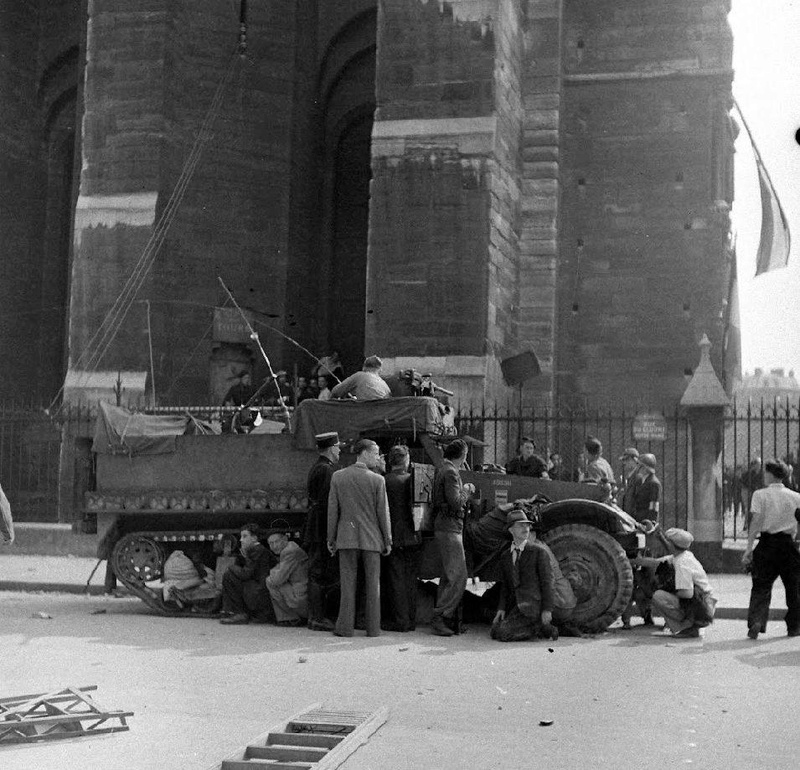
pixel 60 588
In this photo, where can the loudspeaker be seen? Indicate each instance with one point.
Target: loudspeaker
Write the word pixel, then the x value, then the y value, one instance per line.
pixel 517 369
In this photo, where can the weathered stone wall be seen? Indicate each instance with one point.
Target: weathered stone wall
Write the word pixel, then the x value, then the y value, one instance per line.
pixel 541 139
pixel 643 264
pixel 444 212
pixel 21 176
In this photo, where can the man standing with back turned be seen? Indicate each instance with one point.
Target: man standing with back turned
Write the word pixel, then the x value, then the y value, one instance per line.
pixel 358 528
pixel 449 498
pixel 772 511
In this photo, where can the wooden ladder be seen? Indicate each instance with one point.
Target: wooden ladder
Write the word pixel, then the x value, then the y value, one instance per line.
pixel 66 713
pixel 315 739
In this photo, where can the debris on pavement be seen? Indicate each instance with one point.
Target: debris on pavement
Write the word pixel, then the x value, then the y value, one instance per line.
pixel 42 616
pixel 545 722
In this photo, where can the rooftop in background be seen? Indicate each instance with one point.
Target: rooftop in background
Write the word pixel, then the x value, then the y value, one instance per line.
pixel 774 383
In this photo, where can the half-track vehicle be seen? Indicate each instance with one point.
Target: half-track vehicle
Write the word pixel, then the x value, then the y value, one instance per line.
pixel 154 497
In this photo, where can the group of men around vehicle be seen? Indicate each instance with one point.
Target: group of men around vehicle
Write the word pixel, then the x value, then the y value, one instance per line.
pixel 360 517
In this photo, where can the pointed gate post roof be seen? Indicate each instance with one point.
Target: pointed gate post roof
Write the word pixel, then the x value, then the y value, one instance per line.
pixel 704 389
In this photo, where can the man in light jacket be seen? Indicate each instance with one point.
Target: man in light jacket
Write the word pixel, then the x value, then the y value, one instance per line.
pixel 359 528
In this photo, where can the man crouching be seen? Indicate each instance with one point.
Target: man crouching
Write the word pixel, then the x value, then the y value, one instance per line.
pixel 527 595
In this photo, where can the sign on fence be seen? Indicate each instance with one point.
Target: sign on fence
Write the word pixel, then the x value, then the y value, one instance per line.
pixel 650 426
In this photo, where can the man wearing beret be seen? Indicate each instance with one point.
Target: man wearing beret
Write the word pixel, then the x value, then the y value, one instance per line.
pixel 527 590
pixel 359 530
pixel 772 511
pixel 322 567
pixel 689 605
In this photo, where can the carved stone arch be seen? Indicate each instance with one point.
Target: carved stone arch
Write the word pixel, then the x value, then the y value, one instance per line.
pixel 346 95
pixel 60 135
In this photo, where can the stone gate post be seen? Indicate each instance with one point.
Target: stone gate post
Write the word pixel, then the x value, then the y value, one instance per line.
pixel 704 402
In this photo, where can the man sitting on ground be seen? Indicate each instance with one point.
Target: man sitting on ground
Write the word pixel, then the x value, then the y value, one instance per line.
pixel 527 595
pixel 366 385
pixel 244 590
pixel 288 581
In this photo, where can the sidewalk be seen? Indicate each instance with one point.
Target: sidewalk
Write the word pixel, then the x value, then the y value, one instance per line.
pixel 69 574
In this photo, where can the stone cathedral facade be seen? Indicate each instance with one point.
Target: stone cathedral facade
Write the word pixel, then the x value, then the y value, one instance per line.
pixel 447 184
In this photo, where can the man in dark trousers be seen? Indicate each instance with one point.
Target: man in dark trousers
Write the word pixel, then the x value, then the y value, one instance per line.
pixel 322 567
pixel 772 511
pixel 449 499
pixel 527 591
pixel 359 529
pixel 401 566
pixel 244 587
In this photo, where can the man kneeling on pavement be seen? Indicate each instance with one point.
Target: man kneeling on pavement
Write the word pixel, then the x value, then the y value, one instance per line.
pixel 685 601
pixel 535 598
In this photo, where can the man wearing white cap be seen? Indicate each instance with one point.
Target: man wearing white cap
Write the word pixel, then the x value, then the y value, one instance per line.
pixel 689 605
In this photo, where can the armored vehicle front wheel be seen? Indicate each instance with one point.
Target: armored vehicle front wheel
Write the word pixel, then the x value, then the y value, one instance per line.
pixel 598 570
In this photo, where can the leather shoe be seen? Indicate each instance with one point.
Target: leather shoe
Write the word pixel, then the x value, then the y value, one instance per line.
pixel 549 631
pixel 291 623
pixel 321 624
pixel 752 632
pixel 688 633
pixel 439 627
pixel 793 632
pixel 239 619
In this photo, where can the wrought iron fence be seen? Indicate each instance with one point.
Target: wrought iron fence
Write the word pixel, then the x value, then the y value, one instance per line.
pixel 563 431
pixel 754 433
pixel 32 450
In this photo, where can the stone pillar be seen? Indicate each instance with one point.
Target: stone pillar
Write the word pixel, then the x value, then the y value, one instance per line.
pixel 704 403
pixel 443 260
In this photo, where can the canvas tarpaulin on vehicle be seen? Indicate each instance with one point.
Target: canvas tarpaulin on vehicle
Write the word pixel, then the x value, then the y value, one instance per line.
pixel 352 419
pixel 120 431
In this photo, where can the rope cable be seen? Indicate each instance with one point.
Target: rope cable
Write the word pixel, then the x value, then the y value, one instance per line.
pixel 112 322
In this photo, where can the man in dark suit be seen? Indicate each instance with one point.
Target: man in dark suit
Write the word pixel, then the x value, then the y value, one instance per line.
pixel 527 595
pixel 449 497
pixel 244 588
pixel 359 528
pixel 323 571
pixel 401 567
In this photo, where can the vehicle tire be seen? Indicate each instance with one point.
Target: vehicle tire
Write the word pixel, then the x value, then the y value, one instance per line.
pixel 598 570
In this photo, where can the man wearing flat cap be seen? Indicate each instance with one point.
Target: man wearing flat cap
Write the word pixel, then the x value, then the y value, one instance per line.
pixel 630 467
pixel 366 385
pixel 323 570
pixel 359 530
pixel 528 586
pixel 773 519
pixel 689 604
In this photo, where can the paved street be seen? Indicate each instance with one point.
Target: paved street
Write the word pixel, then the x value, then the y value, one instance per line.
pixel 199 690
